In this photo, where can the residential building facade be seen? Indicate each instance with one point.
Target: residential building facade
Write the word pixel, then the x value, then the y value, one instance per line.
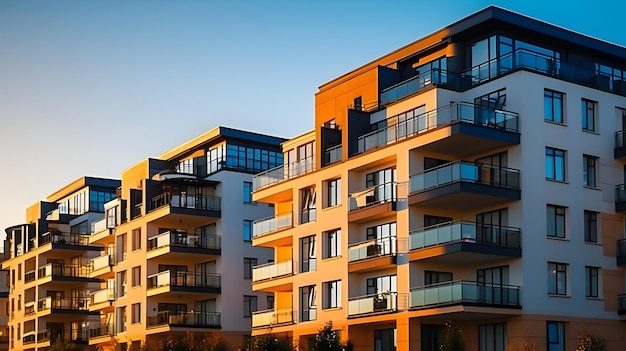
pixel 472 176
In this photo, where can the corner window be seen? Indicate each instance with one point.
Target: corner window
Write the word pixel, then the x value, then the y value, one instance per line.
pixel 589 119
pixel 556 221
pixel 557 278
pixel 553 106
pixel 555 164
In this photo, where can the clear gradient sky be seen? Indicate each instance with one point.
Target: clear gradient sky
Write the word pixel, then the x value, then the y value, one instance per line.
pixel 93 87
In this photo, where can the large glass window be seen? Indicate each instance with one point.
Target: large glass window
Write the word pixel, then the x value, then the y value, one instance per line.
pixel 555 164
pixel 249 305
pixel 383 182
pixel 385 236
pixel 308 304
pixel 591 281
pixel 245 158
pixel 556 336
pixel 383 284
pixel 385 340
pixel 553 106
pixel 557 278
pixel 591 226
pixel 556 221
pixel 308 205
pixel 307 254
pixel 492 337
pixel 588 112
pixel 433 277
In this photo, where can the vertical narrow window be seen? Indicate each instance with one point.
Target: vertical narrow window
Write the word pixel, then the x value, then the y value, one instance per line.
pixel 249 305
pixel 247 193
pixel 556 221
pixel 589 171
pixel 136 276
pixel 557 278
pixel 588 108
pixel 591 226
pixel 121 284
pixel 591 281
pixel 308 199
pixel 307 254
pixel 334 192
pixel 136 313
pixel 332 294
pixel 247 230
pixel 270 302
pixel 492 337
pixel 308 304
pixel 248 264
pixel 555 164
pixel 555 336
pixel 136 239
pixel 333 243
pixel 553 106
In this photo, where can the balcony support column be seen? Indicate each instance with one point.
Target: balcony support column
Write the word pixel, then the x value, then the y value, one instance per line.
pixel 404 336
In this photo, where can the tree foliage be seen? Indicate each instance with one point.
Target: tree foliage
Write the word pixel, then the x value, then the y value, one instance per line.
pixel 210 342
pixel 327 339
pixel 62 345
pixel 272 342
pixel 588 342
pixel 452 339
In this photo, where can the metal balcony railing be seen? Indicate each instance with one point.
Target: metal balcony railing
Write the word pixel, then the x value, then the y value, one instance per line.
pixel 103 330
pixel 462 171
pixel 333 154
pixel 70 303
pixel 198 202
pixel 280 173
pixel 64 238
pixel 461 231
pixel 182 279
pixel 189 319
pixel 272 224
pixel 461 291
pixel 53 269
pixel 172 238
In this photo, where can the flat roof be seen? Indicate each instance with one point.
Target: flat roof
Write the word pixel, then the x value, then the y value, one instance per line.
pixel 81 183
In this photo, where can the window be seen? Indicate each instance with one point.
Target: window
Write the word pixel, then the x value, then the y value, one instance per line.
pixel 553 106
pixel 385 236
pixel 557 278
pixel 247 230
pixel 555 164
pixel 380 285
pixel 247 193
pixel 249 305
pixel 487 108
pixel 270 302
pixel 136 276
pixel 121 319
pixel 556 221
pixel 121 284
pixel 588 108
pixel 333 243
pixel 308 304
pixel 248 263
pixel 332 294
pixel 432 277
pixel 385 339
pixel 591 281
pixel 187 166
pixel 492 337
pixel 556 336
pixel 384 183
pixel 122 248
pixel 334 192
pixel 591 227
pixel 589 171
pixel 97 199
pixel 19 271
pixel 308 198
pixel 307 254
pixel 135 313
pixel 136 239
pixel 301 159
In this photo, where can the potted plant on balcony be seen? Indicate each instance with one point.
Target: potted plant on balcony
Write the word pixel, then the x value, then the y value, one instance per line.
pixel 380 301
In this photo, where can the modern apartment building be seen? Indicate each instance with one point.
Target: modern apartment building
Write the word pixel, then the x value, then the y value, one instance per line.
pixel 471 176
pixel 177 252
pixel 48 259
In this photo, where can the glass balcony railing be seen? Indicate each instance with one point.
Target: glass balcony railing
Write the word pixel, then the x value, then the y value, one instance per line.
pixel 272 224
pixel 183 239
pixel 373 195
pixel 103 330
pixel 460 231
pixel 30 276
pixel 182 279
pixel 184 319
pixel 280 173
pixel 462 171
pixel 70 303
pixel 64 238
pixel 333 154
pixel 372 248
pixel 99 226
pixel 459 292
pixel 272 317
pixel 52 269
pixel 376 303
pixel 197 202
pixel 29 308
pixel 272 270
pixel 413 85
pixel 104 261
pixel 454 112
pixel 100 296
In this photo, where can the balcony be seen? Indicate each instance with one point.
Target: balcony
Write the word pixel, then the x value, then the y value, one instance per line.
pixel 466 293
pixel 272 270
pixel 103 331
pixel 372 203
pixel 69 273
pixel 30 276
pixel 29 338
pixel 413 85
pixel 63 305
pixel 621 252
pixel 102 266
pixel 271 225
pixel 29 308
pixel 462 242
pixel 619 152
pixel 464 185
pixel 184 319
pixel 184 282
pixel 191 205
pixel 621 304
pixel 101 299
pixel 270 318
pixel 465 129
pixel 373 304
pixel 179 245
pixel 333 154
pixel 68 241
pixel 372 254
pixel 620 199
pixel 75 336
pixel 281 173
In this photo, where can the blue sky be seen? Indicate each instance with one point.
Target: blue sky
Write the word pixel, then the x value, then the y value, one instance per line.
pixel 93 87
